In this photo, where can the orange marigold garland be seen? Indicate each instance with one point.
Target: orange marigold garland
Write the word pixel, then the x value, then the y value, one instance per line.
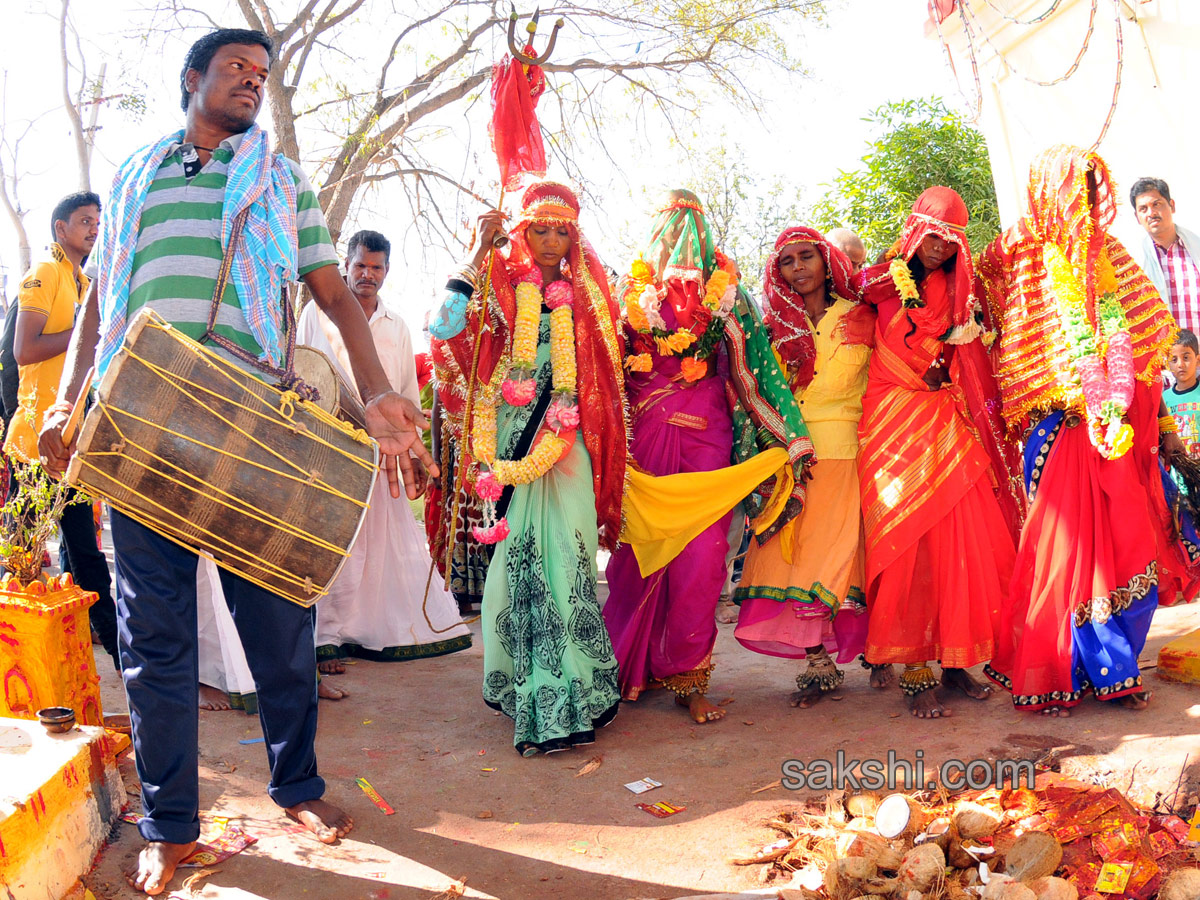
pixel 518 389
pixel 641 305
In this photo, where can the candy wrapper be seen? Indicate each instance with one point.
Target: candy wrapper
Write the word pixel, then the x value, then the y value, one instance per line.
pixel 1162 843
pixel 1080 815
pixel 1144 879
pixel 1076 855
pixel 228 842
pixel 645 784
pixel 1120 839
pixel 1113 877
pixel 1172 825
pixel 660 810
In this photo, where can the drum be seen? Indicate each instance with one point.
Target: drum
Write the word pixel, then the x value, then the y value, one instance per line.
pixel 271 487
pixel 334 395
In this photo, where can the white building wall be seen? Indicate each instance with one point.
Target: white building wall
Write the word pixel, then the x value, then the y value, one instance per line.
pixel 1156 127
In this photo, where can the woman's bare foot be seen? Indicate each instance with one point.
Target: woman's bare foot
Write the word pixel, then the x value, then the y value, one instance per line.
pixel 324 820
pixel 1056 712
pixel 213 698
pixel 331 667
pixel 156 865
pixel 1140 700
pixel 961 680
pixel 701 708
pixel 727 612
pixel 326 691
pixel 883 676
pixel 926 705
pixel 811 695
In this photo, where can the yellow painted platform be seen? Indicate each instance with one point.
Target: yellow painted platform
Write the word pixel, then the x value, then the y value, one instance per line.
pixel 59 796
pixel 46 650
pixel 1179 660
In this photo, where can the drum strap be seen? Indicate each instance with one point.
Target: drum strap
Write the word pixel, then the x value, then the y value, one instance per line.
pixel 287 377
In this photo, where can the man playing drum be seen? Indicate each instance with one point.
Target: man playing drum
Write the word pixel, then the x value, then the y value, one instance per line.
pixel 162 243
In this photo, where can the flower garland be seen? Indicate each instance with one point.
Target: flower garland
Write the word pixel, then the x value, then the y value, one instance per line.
pixel 519 389
pixel 1103 362
pixel 910 298
pixel 905 285
pixel 694 345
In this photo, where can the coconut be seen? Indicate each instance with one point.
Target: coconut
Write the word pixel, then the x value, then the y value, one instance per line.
pixel 921 867
pixel 846 876
pixel 966 853
pixel 1007 890
pixel 975 821
pixel 1033 855
pixel 1182 884
pixel 939 832
pixel 860 823
pixel 900 815
pixel 863 804
pixel 1052 888
pixel 869 846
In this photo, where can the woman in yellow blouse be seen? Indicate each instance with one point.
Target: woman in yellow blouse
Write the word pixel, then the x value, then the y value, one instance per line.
pixel 801 592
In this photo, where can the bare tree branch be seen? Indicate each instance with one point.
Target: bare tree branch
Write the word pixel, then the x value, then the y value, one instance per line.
pixel 69 105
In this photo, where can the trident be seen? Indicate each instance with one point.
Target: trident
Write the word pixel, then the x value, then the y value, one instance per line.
pixel 531 28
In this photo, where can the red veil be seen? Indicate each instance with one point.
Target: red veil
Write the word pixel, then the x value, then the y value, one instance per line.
pixel 598 353
pixel 784 314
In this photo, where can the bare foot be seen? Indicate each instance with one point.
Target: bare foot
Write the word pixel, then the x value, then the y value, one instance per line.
pixel 701 708
pixel 1140 700
pixel 883 676
pixel 810 696
pixel 213 698
pixel 926 705
pixel 1056 712
pixel 326 691
pixel 960 679
pixel 324 820
pixel 331 667
pixel 727 612
pixel 156 865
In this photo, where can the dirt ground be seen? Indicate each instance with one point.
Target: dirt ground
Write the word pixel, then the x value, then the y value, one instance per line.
pixel 467 806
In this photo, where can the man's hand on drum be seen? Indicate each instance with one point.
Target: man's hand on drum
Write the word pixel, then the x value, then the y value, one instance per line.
pixel 54 454
pixel 394 422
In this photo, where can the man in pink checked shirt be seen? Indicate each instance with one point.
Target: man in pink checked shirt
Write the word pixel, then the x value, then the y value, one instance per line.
pixel 1171 253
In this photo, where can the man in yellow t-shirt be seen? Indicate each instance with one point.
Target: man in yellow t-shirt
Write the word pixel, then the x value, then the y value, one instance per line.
pixel 50 293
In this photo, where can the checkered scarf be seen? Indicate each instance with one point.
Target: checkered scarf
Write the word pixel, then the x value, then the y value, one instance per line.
pixel 265 261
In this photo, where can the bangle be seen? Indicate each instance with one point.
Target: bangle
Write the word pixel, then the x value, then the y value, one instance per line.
pixel 1167 425
pixel 62 406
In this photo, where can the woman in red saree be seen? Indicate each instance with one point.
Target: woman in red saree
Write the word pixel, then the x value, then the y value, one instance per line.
pixel 1083 334
pixel 938 509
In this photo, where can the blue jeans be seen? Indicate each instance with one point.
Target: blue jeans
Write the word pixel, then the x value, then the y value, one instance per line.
pixel 156 613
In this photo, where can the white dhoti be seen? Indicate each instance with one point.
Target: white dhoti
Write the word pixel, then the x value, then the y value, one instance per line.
pixel 378 606
pixel 222 661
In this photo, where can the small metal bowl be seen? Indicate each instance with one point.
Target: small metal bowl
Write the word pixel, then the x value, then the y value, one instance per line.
pixel 57 719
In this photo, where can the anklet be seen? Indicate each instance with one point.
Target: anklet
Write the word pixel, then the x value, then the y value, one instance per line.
pixel 917 679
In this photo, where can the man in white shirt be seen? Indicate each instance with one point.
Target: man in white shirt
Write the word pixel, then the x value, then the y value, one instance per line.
pixel 1169 252
pixel 384 604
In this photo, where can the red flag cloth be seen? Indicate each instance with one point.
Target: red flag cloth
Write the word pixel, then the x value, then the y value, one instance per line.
pixel 424 370
pixel 516 135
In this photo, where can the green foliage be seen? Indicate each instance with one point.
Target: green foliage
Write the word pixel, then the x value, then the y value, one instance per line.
pixel 30 517
pixel 921 143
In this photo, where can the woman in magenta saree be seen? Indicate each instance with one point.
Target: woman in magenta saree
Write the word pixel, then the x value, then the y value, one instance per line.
pixel 684 375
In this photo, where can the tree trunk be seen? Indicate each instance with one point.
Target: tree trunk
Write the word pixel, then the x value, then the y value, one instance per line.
pixel 81 146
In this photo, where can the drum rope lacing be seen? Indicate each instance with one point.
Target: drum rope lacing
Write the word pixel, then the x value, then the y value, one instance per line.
pixel 210 542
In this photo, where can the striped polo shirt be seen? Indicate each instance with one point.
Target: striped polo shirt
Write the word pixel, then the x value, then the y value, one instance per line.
pixel 178 255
